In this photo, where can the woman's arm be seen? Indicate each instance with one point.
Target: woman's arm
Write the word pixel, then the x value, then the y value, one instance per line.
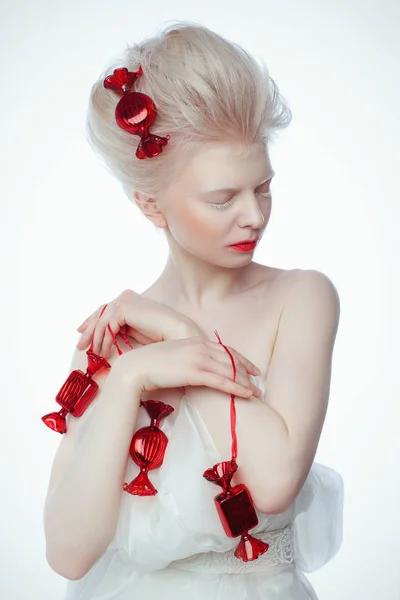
pixel 83 500
pixel 278 438
pixel 85 486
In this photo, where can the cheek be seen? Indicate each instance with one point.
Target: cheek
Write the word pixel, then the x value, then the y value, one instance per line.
pixel 200 223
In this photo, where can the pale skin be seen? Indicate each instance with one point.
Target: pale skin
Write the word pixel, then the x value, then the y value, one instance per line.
pixel 285 322
pixel 282 321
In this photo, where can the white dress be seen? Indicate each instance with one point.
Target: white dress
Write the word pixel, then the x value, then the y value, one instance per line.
pixel 172 545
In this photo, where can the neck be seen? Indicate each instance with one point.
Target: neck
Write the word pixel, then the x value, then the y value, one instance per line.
pixel 188 281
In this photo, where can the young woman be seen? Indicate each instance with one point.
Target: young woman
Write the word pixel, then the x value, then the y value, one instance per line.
pixel 193 154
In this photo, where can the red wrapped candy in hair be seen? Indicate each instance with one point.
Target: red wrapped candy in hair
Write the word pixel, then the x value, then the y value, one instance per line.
pixel 135 112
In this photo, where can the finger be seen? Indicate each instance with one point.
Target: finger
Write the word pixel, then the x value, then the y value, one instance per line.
pixel 85 338
pixel 108 340
pixel 102 319
pixel 249 366
pixel 244 381
pixel 242 372
pixel 222 361
pixel 110 337
pixel 84 323
pixel 93 317
pixel 225 370
pixel 125 335
pixel 87 327
pixel 228 386
pixel 98 336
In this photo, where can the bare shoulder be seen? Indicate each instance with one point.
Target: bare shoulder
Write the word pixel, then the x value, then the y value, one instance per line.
pixel 290 281
pixel 295 290
pixel 311 300
pixel 316 283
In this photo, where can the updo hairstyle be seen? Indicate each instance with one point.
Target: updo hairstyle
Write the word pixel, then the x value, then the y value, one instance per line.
pixel 205 88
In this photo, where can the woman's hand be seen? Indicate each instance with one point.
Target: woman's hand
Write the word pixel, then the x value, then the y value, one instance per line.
pixel 193 361
pixel 141 318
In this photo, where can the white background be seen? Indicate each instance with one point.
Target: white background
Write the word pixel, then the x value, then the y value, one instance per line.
pixel 71 241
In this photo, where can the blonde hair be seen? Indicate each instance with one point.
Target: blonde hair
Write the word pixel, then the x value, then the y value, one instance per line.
pixel 205 88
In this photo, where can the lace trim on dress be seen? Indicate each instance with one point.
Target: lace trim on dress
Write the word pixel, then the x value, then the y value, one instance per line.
pixel 280 553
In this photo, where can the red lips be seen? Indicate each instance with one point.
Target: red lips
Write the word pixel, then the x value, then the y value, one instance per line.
pixel 245 242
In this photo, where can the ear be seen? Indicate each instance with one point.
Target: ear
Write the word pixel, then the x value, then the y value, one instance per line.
pixel 149 208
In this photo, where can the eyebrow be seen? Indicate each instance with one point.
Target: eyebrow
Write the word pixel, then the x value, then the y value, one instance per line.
pixel 235 189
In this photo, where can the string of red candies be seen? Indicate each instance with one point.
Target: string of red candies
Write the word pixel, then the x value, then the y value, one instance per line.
pixel 148 445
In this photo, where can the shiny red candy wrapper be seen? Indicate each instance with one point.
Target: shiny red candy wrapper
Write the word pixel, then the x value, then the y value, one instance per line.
pixel 148 447
pixel 135 112
pixel 236 510
pixel 76 394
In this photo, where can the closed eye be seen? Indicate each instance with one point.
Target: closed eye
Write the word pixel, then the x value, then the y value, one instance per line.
pixel 229 202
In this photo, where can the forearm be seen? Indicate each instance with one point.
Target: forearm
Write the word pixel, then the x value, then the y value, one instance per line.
pixel 81 513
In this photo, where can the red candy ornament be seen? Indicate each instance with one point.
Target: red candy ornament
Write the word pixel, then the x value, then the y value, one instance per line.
pixel 236 510
pixel 135 112
pixel 148 447
pixel 234 504
pixel 78 391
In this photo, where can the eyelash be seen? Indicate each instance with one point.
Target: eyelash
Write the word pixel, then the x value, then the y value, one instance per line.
pixel 227 204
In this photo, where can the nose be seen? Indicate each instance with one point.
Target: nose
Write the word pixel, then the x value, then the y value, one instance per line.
pixel 251 214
